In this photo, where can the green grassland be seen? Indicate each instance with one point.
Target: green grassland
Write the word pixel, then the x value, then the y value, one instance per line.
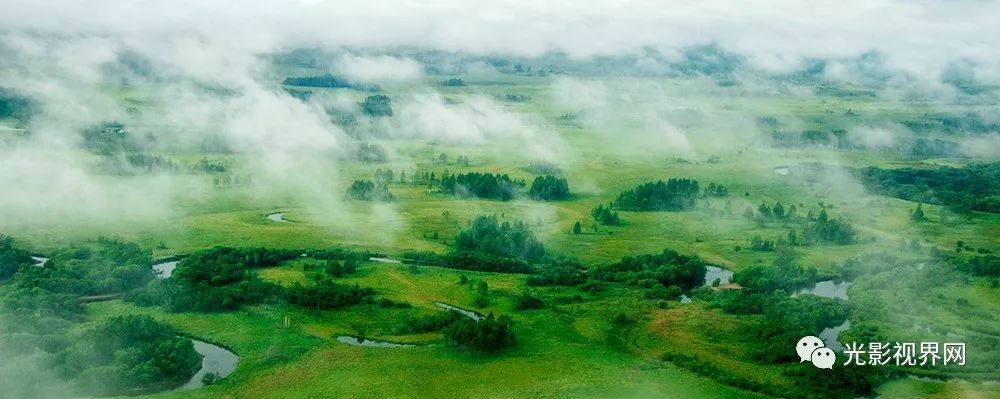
pixel 569 348
pixel 561 352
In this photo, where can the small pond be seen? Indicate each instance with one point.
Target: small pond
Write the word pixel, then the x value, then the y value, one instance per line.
pixel 715 272
pixel 277 217
pixel 165 269
pixel 371 343
pixel 826 289
pixel 470 314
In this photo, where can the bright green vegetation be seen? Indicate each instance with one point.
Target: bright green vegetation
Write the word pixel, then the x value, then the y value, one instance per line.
pixel 577 261
pixel 569 350
pixel 126 354
pixel 45 322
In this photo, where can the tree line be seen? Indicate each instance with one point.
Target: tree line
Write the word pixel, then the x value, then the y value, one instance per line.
pixel 672 195
pixel 502 187
pixel 966 189
pixel 327 81
pixel 481 185
pixel 222 278
pixel 664 276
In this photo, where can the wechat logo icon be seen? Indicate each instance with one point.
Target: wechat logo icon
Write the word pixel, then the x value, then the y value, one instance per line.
pixel 812 349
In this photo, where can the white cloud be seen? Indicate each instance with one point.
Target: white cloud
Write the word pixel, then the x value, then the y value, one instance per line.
pixel 917 36
pixel 378 68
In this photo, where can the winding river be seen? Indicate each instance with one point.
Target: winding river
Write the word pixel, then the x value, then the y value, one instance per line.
pixel 215 359
pixel 830 289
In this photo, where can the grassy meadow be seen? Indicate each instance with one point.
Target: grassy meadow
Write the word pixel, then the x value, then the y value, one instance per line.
pixel 573 346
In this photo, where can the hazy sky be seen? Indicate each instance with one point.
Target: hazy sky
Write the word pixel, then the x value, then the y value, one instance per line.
pixel 917 36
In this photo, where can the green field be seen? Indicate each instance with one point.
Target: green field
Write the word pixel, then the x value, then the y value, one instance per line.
pixel 575 345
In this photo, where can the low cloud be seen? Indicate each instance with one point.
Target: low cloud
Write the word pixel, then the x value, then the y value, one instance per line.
pixel 378 69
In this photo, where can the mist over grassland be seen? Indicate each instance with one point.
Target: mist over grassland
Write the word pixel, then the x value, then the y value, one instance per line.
pixel 183 125
pixel 204 71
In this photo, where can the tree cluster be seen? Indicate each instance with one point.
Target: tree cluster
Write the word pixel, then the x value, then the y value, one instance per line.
pixel 326 294
pixel 970 188
pixel 469 260
pixel 562 272
pixel 828 230
pixel 219 278
pixel 672 195
pixel 11 257
pixel 549 188
pixel 15 106
pixel 605 215
pixel 488 235
pixel 985 265
pixel 150 162
pixel 716 190
pixel 108 139
pixel 480 185
pixel 108 266
pixel 775 212
pixel 366 190
pixel 784 274
pixel 126 353
pixel 371 153
pixel 668 268
pixel 384 176
pixel 759 244
pixel 328 81
pixel 331 268
pixel 377 105
pixel 543 167
pixel 489 334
